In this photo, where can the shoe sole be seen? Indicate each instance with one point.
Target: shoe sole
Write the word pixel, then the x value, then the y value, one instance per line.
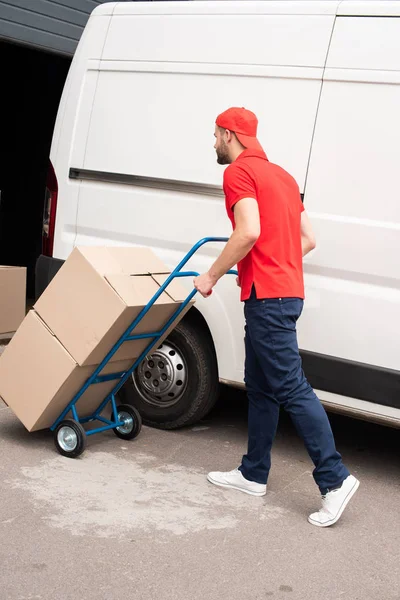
pixel 235 487
pixel 339 514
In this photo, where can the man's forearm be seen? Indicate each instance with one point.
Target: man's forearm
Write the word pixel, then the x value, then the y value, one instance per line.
pixel 307 245
pixel 238 246
pixel 307 235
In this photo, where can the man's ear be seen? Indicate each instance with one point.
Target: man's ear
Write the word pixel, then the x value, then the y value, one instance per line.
pixel 228 136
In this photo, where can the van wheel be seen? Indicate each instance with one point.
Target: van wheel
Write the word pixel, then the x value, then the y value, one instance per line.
pixel 178 384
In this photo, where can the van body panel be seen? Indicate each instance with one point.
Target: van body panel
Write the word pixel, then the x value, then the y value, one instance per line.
pixel 369 8
pixel 222 7
pixel 377 48
pixel 134 130
pixel 133 152
pixel 353 277
pixel 145 37
pixel 90 45
pixel 160 114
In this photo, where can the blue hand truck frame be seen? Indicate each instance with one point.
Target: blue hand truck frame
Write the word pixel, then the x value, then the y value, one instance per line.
pixel 70 437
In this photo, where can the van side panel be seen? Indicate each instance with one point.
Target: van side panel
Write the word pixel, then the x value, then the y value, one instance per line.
pixel 353 278
pixel 159 90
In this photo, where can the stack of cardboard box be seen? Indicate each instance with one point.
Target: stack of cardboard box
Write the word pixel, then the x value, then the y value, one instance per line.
pixel 90 303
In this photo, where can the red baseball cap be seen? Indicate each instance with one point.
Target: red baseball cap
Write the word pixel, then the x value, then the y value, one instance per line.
pixel 243 123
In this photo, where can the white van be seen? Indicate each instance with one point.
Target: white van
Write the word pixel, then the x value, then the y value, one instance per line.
pixel 134 164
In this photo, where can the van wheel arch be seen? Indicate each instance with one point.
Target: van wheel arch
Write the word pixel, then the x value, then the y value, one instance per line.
pixel 178 384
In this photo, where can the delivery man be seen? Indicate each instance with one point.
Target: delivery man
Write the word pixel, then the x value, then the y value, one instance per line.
pixel 271 234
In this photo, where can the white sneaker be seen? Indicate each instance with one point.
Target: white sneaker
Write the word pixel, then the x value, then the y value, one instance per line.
pixel 334 503
pixel 235 480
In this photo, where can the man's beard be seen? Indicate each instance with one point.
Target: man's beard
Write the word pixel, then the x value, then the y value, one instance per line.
pixel 223 156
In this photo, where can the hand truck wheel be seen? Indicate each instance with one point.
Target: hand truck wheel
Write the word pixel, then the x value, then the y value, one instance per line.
pixel 70 438
pixel 132 422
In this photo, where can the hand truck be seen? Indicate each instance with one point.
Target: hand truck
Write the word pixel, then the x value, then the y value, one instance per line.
pixel 69 435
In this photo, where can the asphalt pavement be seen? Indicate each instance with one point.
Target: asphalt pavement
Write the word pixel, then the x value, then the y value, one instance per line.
pixel 138 520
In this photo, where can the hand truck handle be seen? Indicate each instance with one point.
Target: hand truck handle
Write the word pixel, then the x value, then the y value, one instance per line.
pixel 200 243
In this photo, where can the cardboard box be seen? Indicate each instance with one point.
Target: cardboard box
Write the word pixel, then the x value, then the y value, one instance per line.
pixel 97 294
pixel 12 298
pixel 38 377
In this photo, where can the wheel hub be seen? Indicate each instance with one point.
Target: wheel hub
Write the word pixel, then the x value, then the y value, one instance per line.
pixel 67 439
pixel 161 378
pixel 127 422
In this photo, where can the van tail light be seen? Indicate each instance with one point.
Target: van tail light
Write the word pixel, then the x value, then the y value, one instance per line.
pixel 49 214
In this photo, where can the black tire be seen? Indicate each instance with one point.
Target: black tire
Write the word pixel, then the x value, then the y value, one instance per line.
pixel 132 430
pixel 77 441
pixel 193 344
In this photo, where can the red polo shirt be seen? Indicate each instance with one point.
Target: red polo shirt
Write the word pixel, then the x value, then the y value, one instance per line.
pixel 275 263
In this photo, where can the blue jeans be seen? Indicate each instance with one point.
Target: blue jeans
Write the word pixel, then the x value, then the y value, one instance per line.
pixel 274 377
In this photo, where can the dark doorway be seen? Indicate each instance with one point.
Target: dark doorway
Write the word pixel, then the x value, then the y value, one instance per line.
pixel 31 85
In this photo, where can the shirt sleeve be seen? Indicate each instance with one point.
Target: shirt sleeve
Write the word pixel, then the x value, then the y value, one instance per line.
pixel 238 184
